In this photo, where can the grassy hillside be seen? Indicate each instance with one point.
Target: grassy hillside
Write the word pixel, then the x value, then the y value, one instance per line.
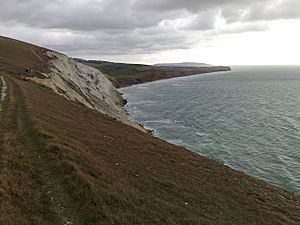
pixel 62 163
pixel 17 57
pixel 122 74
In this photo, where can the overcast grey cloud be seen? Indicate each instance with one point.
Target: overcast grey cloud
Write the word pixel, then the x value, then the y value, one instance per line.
pixel 109 27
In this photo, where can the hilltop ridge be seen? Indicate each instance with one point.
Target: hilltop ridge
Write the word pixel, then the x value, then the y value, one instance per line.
pixel 184 64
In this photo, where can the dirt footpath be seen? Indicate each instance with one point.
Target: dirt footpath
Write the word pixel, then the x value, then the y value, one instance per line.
pixel 29 192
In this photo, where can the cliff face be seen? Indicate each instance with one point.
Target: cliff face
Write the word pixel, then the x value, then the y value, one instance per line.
pixel 80 83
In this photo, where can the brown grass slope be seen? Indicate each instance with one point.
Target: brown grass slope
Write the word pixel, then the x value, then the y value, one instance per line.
pixel 64 162
pixel 17 56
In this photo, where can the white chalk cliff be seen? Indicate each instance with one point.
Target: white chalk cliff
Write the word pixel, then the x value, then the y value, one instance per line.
pixel 80 83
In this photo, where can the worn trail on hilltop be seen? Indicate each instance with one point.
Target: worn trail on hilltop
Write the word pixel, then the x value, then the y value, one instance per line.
pixel 27 183
pixel 36 55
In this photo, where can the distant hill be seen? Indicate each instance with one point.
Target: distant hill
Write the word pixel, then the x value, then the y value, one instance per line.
pixel 183 64
pixel 90 61
pixel 123 74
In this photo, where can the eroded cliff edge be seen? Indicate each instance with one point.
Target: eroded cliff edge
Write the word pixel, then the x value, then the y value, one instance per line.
pixel 80 83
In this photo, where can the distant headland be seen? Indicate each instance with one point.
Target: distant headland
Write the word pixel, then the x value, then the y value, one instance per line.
pixel 123 74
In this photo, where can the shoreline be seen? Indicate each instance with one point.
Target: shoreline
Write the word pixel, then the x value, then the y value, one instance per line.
pixel 171 78
pixel 151 131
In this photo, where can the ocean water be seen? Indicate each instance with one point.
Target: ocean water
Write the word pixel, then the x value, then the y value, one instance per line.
pixel 248 118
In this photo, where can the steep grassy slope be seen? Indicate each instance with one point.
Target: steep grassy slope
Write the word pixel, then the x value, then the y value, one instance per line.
pixel 16 56
pixel 62 163
pixel 122 74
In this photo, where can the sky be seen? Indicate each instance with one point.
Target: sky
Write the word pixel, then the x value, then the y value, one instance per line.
pixel 219 32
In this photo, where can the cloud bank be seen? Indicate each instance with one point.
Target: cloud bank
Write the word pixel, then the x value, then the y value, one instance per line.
pixel 94 28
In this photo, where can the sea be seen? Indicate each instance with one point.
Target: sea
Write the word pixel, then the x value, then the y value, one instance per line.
pixel 247 118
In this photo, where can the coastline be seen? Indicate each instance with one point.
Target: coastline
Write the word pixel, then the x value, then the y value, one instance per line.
pixel 172 78
pixel 149 130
